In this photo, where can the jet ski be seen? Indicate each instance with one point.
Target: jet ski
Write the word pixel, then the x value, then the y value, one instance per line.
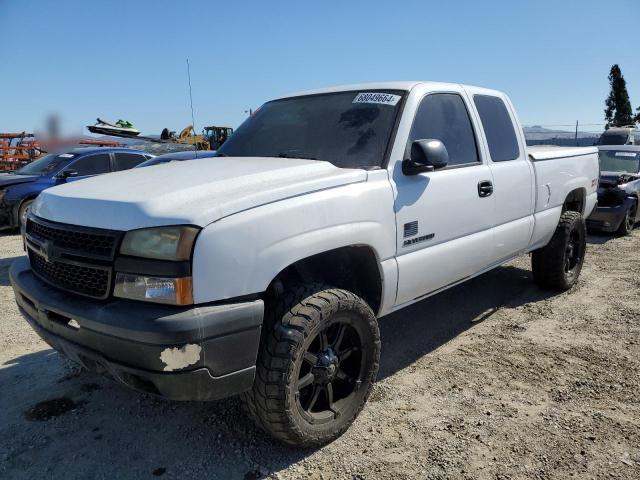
pixel 122 128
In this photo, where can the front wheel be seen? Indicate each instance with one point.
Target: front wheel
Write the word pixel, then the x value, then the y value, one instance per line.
pixel 626 226
pixel 558 264
pixel 23 211
pixel 318 359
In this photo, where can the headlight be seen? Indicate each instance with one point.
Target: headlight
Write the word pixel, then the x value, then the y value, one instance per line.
pixel 175 291
pixel 160 243
pixel 171 244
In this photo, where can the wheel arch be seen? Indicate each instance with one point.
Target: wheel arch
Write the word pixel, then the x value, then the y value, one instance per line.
pixel 16 210
pixel 575 201
pixel 354 267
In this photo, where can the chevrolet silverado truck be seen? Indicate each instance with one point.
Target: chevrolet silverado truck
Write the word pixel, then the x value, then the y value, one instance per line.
pixel 263 271
pixel 618 190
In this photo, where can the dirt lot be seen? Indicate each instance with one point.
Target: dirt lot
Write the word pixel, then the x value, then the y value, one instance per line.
pixel 492 379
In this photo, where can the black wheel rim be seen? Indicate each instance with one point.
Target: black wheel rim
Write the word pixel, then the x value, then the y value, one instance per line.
pixel 573 253
pixel 330 372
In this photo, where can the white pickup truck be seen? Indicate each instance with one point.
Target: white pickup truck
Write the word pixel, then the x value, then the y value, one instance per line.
pixel 263 270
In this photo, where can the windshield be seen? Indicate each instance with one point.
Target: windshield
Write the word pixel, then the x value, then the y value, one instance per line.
pixel 44 165
pixel 348 129
pixel 614 138
pixel 619 161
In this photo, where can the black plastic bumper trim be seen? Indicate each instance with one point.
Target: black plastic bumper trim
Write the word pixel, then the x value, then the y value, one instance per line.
pixel 134 335
pixel 611 215
pixel 193 385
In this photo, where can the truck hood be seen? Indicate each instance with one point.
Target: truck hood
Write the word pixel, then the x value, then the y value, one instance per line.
pixel 196 192
pixel 7 179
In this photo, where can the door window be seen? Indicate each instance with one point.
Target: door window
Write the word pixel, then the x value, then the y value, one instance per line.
pixel 125 161
pixel 498 128
pixel 92 165
pixel 444 117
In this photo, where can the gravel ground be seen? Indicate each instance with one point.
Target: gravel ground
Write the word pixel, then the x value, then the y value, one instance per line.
pixel 495 379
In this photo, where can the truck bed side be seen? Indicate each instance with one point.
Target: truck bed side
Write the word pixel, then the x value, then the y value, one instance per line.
pixel 559 171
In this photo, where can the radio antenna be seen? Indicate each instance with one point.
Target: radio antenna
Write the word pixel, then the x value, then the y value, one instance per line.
pixel 193 122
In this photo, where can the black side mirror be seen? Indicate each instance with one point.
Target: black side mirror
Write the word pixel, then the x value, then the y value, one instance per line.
pixel 427 155
pixel 63 175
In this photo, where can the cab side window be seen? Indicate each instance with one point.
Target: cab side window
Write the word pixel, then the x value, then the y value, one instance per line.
pixel 92 165
pixel 125 161
pixel 444 117
pixel 498 128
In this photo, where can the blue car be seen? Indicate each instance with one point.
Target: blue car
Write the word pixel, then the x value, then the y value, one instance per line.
pixel 18 189
pixel 178 157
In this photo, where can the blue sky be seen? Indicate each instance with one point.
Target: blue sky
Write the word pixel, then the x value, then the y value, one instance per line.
pixel 126 59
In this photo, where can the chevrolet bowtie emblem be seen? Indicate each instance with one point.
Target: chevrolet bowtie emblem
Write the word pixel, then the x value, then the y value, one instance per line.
pixel 48 251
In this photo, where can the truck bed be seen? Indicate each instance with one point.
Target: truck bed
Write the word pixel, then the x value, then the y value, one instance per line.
pixel 558 171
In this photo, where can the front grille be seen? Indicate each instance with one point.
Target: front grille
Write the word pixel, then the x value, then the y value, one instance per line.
pixel 73 258
pixel 78 239
pixel 90 281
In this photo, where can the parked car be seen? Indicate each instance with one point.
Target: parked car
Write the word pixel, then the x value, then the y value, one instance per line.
pixel 618 191
pixel 178 157
pixel 265 271
pixel 18 189
pixel 629 135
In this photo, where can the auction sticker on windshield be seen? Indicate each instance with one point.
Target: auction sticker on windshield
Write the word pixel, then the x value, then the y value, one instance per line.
pixel 377 97
pixel 626 154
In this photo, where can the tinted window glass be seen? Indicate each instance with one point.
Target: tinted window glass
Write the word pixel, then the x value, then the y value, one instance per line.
pixel 444 117
pixel 92 165
pixel 498 128
pixel 348 129
pixel 125 161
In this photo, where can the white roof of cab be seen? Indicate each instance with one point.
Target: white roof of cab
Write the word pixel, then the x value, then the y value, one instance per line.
pixel 400 85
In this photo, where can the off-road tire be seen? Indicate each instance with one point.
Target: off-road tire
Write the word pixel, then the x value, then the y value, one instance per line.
pixel 549 264
pixel 626 226
pixel 292 322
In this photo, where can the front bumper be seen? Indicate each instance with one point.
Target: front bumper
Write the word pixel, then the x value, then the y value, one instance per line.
pixel 198 353
pixel 608 219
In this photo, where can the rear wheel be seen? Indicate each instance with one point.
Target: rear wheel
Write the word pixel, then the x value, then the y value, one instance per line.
pixel 318 359
pixel 558 264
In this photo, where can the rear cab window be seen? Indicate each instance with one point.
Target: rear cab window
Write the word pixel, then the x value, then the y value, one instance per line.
pixel 498 128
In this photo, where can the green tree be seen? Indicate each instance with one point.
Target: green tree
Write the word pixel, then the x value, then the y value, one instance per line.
pixel 618 111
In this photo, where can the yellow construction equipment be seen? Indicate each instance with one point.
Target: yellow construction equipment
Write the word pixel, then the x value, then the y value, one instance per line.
pixel 210 139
